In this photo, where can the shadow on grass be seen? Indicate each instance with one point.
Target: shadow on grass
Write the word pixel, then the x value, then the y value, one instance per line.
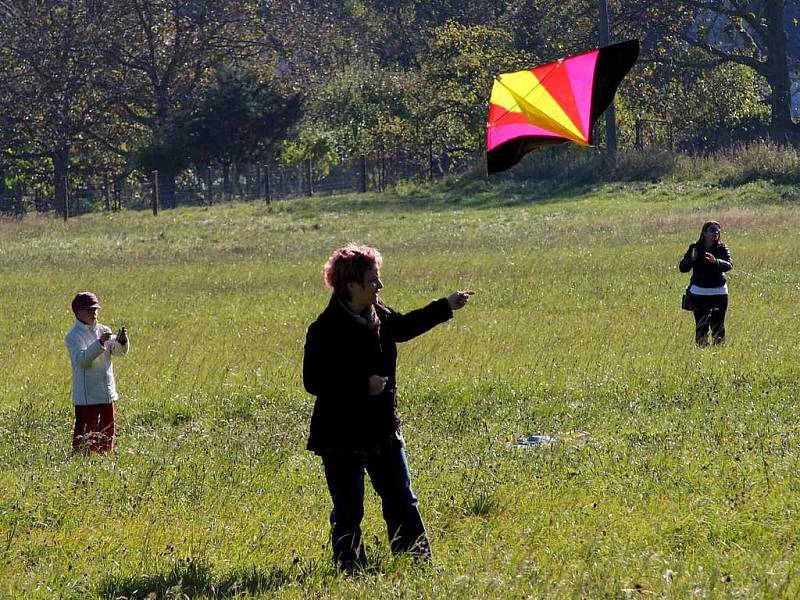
pixel 190 579
pixel 453 194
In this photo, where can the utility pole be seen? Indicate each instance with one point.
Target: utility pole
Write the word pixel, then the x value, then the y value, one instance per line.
pixel 611 113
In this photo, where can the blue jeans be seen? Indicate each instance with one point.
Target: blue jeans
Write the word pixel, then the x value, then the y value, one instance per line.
pixel 387 467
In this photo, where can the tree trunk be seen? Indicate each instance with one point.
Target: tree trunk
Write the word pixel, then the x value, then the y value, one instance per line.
pixel 19 209
pixel 226 181
pixel 239 170
pixel 254 182
pixel 778 72
pixel 209 183
pixel 267 186
pixel 107 194
pixel 118 193
pixel 60 158
pixel 166 189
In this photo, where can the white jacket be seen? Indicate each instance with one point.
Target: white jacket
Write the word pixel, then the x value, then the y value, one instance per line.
pixel 92 372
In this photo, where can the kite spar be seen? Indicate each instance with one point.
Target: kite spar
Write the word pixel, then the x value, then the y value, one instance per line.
pixel 553 103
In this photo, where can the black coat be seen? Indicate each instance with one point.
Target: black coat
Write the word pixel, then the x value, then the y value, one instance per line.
pixel 704 273
pixel 340 356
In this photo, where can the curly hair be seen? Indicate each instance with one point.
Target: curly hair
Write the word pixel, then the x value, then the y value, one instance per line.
pixel 350 263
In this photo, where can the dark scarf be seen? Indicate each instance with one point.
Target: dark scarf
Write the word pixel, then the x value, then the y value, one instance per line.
pixel 368 317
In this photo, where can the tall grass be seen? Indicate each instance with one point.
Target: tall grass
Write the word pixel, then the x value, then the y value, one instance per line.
pixel 687 486
pixel 570 166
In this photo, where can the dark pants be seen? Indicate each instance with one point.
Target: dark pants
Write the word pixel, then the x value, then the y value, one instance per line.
pixel 709 313
pixel 388 470
pixel 94 428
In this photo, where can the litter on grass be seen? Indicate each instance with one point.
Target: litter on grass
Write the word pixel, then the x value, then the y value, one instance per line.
pixel 538 440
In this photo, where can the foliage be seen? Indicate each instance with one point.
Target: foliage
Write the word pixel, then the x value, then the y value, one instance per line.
pixel 753 34
pixel 706 106
pixel 240 119
pixel 49 63
pixel 94 89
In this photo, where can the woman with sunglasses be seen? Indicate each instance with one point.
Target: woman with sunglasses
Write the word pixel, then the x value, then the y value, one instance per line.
pixel 708 259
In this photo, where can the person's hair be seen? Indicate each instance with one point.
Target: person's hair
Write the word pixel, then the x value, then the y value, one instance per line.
pixel 350 263
pixel 706 225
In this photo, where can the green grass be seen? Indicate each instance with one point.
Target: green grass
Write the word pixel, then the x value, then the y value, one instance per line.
pixel 688 485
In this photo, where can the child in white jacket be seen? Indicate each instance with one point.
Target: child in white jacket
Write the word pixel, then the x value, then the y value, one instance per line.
pixel 94 390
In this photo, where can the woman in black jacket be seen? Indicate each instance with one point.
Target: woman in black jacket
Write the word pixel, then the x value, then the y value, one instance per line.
pixel 708 259
pixel 350 365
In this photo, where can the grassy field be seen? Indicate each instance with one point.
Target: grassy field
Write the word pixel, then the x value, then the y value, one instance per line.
pixel 687 487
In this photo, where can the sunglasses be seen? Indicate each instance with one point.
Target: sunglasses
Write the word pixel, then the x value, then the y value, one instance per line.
pixel 712 230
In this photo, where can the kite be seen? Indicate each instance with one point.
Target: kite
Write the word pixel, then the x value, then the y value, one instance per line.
pixel 553 103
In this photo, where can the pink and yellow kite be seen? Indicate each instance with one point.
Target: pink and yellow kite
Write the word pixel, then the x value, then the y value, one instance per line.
pixel 553 103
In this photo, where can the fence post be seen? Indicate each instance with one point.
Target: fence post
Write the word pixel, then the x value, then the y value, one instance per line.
pixel 155 193
pixel 66 197
pixel 638 142
pixel 310 188
pixel 106 193
pixel 18 210
pixel 267 186
pixel 363 174
pixel 117 194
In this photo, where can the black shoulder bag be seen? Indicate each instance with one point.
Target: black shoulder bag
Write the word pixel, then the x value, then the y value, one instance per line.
pixel 686 299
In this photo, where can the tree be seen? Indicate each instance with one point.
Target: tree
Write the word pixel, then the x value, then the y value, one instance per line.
pixel 242 118
pixel 457 68
pixel 753 33
pixel 161 54
pixel 747 32
pixel 48 104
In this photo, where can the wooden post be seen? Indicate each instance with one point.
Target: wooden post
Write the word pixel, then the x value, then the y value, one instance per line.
pixel 267 186
pixel 383 172
pixel 310 186
pixel 209 193
pixel 363 174
pixel 106 193
pixel 66 197
pixel 155 193
pixel 18 210
pixel 117 193
pixel 638 142
pixel 254 181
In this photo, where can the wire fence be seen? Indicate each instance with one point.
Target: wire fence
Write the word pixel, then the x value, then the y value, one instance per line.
pixel 250 181
pixel 265 182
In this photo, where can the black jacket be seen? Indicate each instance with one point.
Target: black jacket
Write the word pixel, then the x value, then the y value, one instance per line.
pixel 340 356
pixel 704 273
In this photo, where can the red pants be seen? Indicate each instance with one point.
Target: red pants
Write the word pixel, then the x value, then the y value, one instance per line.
pixel 94 428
